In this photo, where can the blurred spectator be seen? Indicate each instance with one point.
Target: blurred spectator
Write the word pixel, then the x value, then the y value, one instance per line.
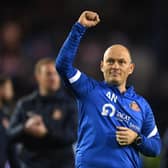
pixel 45 122
pixel 6 95
pixel 10 50
pixel 4 122
pixel 13 61
pixel 7 149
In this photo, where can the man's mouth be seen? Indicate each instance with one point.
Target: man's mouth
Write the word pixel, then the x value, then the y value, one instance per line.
pixel 115 74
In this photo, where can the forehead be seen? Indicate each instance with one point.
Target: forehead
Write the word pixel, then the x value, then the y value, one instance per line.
pixel 47 67
pixel 117 52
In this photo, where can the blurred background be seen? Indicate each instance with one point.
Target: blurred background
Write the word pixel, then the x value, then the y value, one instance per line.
pixel 33 29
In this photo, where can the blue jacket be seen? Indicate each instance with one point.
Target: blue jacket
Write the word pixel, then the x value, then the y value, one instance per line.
pixel 101 109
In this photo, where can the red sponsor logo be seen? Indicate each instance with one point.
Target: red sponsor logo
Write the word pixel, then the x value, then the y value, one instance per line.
pixel 134 106
pixel 57 114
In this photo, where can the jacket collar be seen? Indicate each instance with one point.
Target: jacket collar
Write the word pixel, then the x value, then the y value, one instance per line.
pixel 128 93
pixel 55 95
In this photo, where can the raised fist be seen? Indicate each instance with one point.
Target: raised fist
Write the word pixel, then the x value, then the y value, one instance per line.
pixel 89 19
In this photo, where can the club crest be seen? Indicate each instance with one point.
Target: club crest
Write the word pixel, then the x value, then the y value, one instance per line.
pixel 134 106
pixel 57 114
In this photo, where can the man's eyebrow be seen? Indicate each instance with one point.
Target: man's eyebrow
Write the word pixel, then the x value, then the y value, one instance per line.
pixel 115 59
pixel 110 59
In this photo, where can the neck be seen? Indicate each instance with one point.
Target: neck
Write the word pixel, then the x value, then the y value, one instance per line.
pixel 43 92
pixel 122 88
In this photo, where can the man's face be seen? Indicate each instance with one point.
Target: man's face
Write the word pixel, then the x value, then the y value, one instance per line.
pixel 116 65
pixel 48 78
pixel 6 91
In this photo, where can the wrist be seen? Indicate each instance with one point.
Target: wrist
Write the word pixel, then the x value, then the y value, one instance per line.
pixel 138 140
pixel 80 25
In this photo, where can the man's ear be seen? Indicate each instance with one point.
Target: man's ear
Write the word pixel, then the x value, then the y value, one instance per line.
pixel 102 66
pixel 132 66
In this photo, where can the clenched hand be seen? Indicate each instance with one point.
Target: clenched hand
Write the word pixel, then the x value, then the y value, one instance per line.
pixel 89 19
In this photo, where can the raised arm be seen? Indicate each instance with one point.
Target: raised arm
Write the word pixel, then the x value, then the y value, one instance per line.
pixel 67 53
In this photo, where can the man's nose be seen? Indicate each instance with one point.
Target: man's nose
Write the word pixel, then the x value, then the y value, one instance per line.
pixel 115 65
pixel 52 76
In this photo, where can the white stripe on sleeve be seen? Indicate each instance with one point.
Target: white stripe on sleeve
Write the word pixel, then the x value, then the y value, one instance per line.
pixel 75 77
pixel 153 133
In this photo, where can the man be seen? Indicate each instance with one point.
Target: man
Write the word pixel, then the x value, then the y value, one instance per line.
pixel 44 122
pixel 6 94
pixel 115 123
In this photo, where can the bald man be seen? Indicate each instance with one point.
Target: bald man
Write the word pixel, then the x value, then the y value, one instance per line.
pixel 115 124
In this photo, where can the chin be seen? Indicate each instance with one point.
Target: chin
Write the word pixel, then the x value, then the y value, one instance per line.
pixel 53 89
pixel 114 82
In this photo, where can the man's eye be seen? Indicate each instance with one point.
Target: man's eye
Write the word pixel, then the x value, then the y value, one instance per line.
pixel 110 61
pixel 121 62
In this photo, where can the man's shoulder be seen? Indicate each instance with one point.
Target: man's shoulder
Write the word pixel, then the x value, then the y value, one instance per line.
pixel 28 98
pixel 140 98
pixel 136 95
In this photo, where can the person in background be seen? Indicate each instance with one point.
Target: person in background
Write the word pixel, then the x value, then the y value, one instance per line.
pixel 164 153
pixel 44 122
pixel 115 123
pixel 7 149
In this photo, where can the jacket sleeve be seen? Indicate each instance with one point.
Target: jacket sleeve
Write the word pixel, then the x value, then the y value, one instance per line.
pixel 151 143
pixel 77 81
pixel 63 131
pixel 16 126
pixel 67 53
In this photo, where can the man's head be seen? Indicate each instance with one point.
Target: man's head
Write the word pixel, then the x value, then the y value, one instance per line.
pixel 46 75
pixel 117 65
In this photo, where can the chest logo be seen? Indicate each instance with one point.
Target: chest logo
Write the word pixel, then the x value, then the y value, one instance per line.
pixel 111 96
pixel 57 114
pixel 108 110
pixel 134 106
